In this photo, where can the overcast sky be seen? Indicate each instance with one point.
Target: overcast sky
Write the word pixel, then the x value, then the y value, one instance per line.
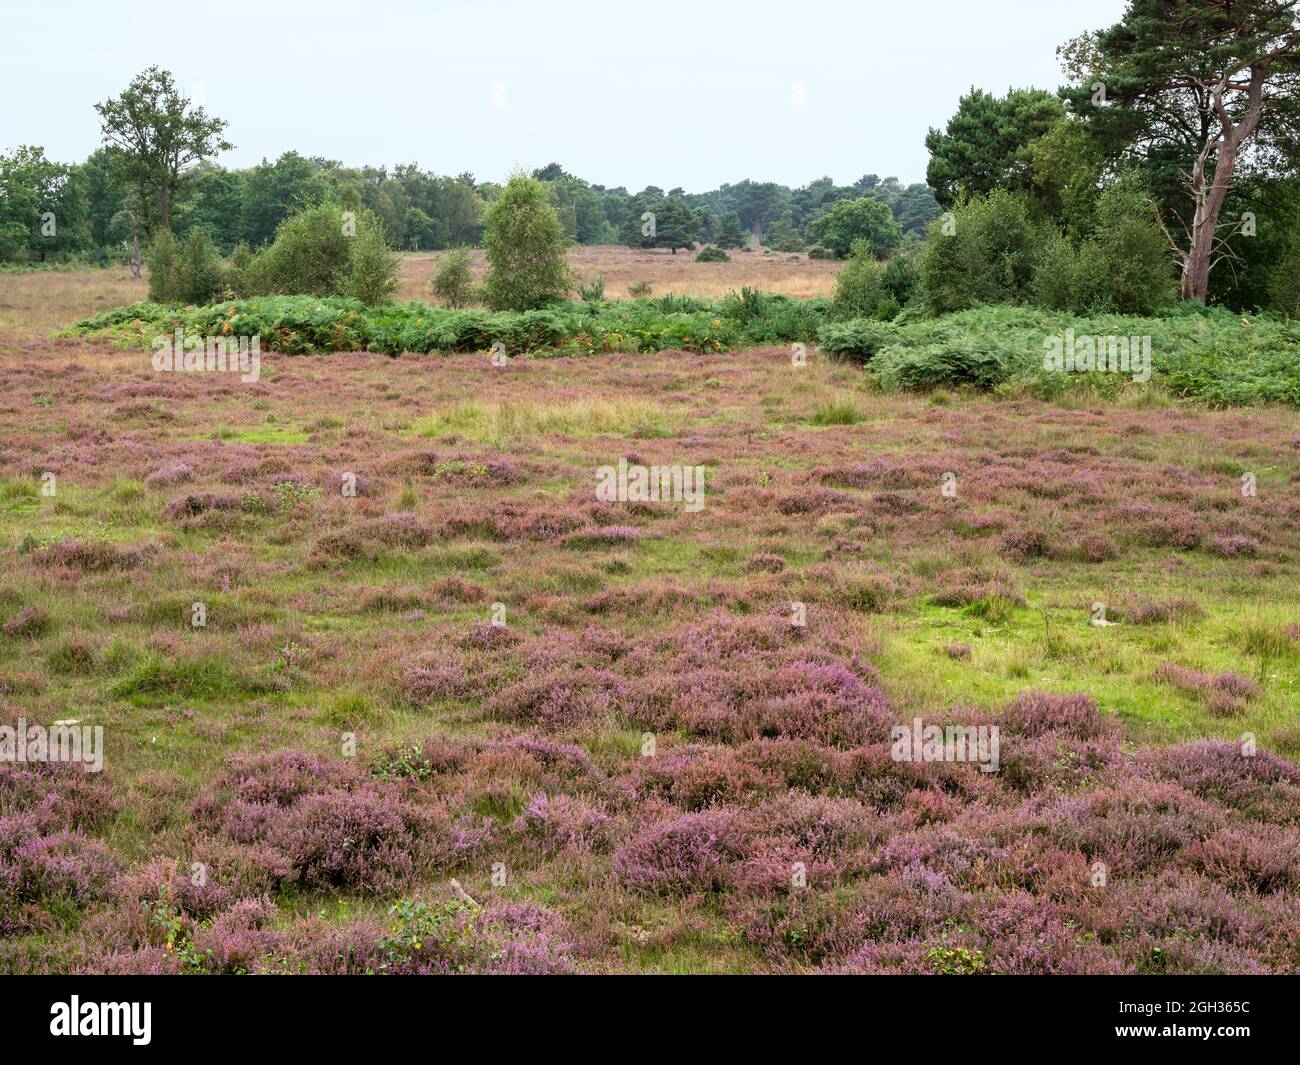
pixel 661 93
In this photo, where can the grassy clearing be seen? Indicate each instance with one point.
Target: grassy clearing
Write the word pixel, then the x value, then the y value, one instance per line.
pixel 371 616
pixel 498 423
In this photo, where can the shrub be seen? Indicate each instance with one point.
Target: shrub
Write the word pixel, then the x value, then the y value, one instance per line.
pixel 593 291
pixel 1056 277
pixel 988 257
pixel 309 254
pixel 454 282
pixel 899 277
pixel 1129 251
pixel 859 286
pixel 199 277
pixel 162 260
pixel 372 267
pixel 849 221
pixel 818 252
pixel 712 255
pixel 28 623
pixel 690 854
pixel 237 270
pixel 525 248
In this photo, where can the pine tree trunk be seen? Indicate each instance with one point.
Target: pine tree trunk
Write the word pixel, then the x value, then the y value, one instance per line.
pixel 1205 223
pixel 1209 201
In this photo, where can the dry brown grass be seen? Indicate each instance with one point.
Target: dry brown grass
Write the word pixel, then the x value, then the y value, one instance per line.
pixel 33 305
pixel 793 275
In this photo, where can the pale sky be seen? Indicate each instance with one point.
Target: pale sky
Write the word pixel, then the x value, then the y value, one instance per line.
pixel 660 93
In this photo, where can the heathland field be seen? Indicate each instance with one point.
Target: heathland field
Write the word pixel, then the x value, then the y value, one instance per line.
pixel 387 685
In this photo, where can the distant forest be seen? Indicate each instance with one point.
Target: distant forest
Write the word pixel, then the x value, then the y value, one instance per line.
pixel 97 214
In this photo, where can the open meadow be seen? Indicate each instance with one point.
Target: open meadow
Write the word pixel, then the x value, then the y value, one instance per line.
pixel 782 507
pixel 364 629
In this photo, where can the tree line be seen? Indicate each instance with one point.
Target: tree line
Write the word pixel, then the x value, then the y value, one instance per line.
pixel 157 171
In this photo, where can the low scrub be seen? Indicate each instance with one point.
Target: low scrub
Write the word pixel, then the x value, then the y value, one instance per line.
pixel 1209 354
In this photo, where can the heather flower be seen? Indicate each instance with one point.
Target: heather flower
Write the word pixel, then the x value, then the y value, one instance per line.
pixel 564 823
pixel 693 853
pixel 1259 785
pixel 27 624
pixel 1034 713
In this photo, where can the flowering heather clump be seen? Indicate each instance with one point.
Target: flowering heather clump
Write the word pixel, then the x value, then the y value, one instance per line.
pixel 399 530
pixel 567 761
pixel 816 501
pixel 197 503
pixel 558 700
pixel 1134 827
pixel 56 796
pixel 1266 861
pixel 965 586
pixel 1175 530
pixel 1226 694
pixel 27 624
pixel 152 961
pixel 1259 785
pixel 315 946
pixel 93 556
pixel 1233 546
pixel 172 474
pixel 333 826
pixel 38 868
pixel 1022 545
pixel 605 534
pixel 693 853
pixel 230 872
pixel 238 939
pixel 829 838
pixel 1036 713
pixel 1056 760
pixel 1096 547
pixel 366 839
pixel 695 777
pixel 422 686
pixel 523 939
pixel 484 636
pixel 519 521
pixel 564 823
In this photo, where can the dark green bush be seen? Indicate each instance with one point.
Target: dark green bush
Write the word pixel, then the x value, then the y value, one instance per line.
pixel 712 255
pixel 984 253
pixel 453 284
pixel 859 286
pixel 162 259
pixel 525 249
pixel 371 275
pixel 199 273
pixel 857 340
